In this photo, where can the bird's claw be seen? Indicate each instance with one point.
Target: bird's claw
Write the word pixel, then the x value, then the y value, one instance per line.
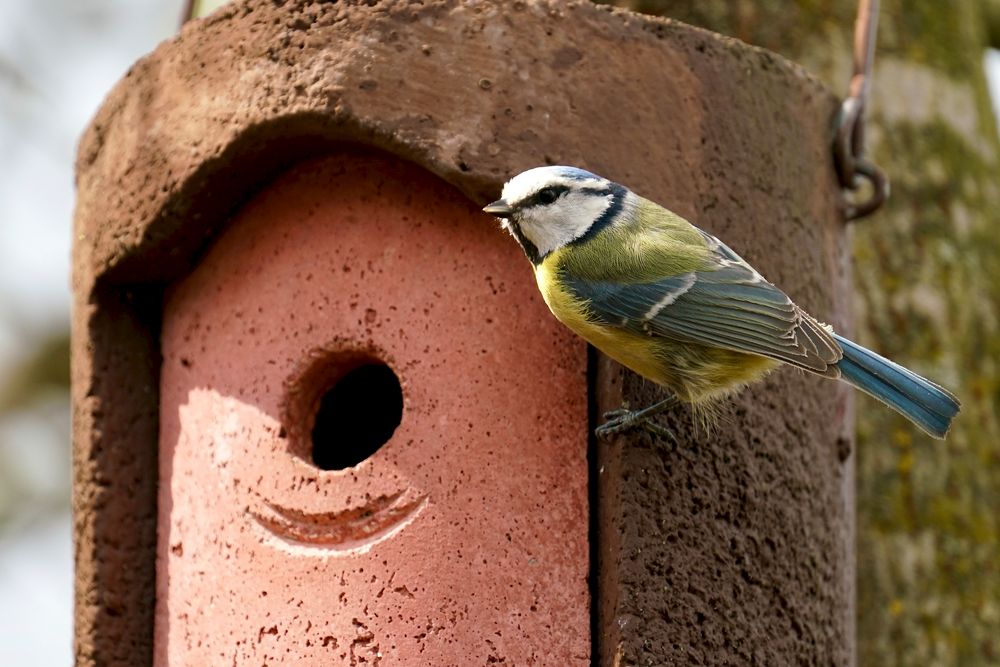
pixel 617 422
pixel 617 413
pixel 659 430
pixel 623 419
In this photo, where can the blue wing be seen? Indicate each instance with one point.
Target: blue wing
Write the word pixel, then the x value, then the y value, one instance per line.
pixel 727 305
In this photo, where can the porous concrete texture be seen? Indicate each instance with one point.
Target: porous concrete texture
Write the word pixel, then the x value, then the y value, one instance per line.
pixel 462 540
pixel 734 547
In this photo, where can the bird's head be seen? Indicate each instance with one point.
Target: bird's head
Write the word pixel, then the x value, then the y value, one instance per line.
pixel 546 208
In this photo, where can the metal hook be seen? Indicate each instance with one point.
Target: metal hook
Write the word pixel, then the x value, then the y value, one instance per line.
pixel 866 170
pixel 849 141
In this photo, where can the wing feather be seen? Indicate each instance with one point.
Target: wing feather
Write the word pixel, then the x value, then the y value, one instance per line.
pixel 726 304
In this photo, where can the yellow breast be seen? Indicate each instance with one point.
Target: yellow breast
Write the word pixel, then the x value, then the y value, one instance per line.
pixel 634 351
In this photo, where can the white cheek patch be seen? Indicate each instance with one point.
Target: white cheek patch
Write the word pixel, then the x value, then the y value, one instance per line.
pixel 568 218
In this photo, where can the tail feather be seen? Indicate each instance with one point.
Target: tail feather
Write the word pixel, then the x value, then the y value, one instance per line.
pixel 927 405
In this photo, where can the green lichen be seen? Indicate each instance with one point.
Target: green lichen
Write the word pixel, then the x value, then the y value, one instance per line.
pixel 927 270
pixel 933 33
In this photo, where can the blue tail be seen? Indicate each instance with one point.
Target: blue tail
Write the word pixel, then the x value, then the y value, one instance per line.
pixel 921 401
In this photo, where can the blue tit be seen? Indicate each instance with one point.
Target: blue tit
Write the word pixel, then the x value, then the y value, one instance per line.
pixel 676 305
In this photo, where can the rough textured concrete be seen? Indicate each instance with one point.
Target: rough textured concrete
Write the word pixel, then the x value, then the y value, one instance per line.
pixel 463 540
pixel 730 136
pixel 736 547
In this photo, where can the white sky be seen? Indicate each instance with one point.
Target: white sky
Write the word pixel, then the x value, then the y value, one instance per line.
pixel 58 58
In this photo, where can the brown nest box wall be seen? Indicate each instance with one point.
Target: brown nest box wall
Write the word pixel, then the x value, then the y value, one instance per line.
pixel 735 547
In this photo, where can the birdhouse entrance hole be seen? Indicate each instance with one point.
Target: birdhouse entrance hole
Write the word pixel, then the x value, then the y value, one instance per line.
pixel 356 416
pixel 342 408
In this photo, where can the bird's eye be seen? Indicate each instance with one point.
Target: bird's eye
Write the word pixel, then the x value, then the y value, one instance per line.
pixel 547 195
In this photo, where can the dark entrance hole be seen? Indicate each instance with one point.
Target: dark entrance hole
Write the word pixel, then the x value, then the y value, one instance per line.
pixel 356 416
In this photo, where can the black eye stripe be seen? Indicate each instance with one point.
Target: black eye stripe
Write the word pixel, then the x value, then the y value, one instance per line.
pixel 546 195
pixel 553 192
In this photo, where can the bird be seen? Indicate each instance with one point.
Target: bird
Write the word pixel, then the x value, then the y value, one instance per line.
pixel 677 305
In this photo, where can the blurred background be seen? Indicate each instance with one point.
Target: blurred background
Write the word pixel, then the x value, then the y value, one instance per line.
pixel 58 59
pixel 925 589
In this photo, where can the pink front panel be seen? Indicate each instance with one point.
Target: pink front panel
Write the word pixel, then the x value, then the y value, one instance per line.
pixel 463 539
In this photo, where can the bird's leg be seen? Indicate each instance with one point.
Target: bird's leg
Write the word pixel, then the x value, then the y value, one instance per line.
pixel 623 419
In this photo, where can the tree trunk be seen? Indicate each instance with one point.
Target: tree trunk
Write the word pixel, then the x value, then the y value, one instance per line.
pixel 927 279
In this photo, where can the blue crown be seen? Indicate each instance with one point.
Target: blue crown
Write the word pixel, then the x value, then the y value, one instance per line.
pixel 576 173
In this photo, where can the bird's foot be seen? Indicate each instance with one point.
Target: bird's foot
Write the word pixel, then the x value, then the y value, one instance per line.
pixel 623 419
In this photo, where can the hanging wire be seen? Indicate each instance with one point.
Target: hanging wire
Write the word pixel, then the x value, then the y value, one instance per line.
pixel 853 168
pixel 187 12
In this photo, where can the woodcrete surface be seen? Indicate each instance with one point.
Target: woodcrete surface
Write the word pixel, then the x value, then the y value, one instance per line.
pixel 463 539
pixel 732 548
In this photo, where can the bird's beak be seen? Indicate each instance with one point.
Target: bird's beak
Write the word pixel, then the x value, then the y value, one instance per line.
pixel 500 208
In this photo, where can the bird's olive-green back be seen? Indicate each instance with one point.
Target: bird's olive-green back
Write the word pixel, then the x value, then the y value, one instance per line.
pixel 656 243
